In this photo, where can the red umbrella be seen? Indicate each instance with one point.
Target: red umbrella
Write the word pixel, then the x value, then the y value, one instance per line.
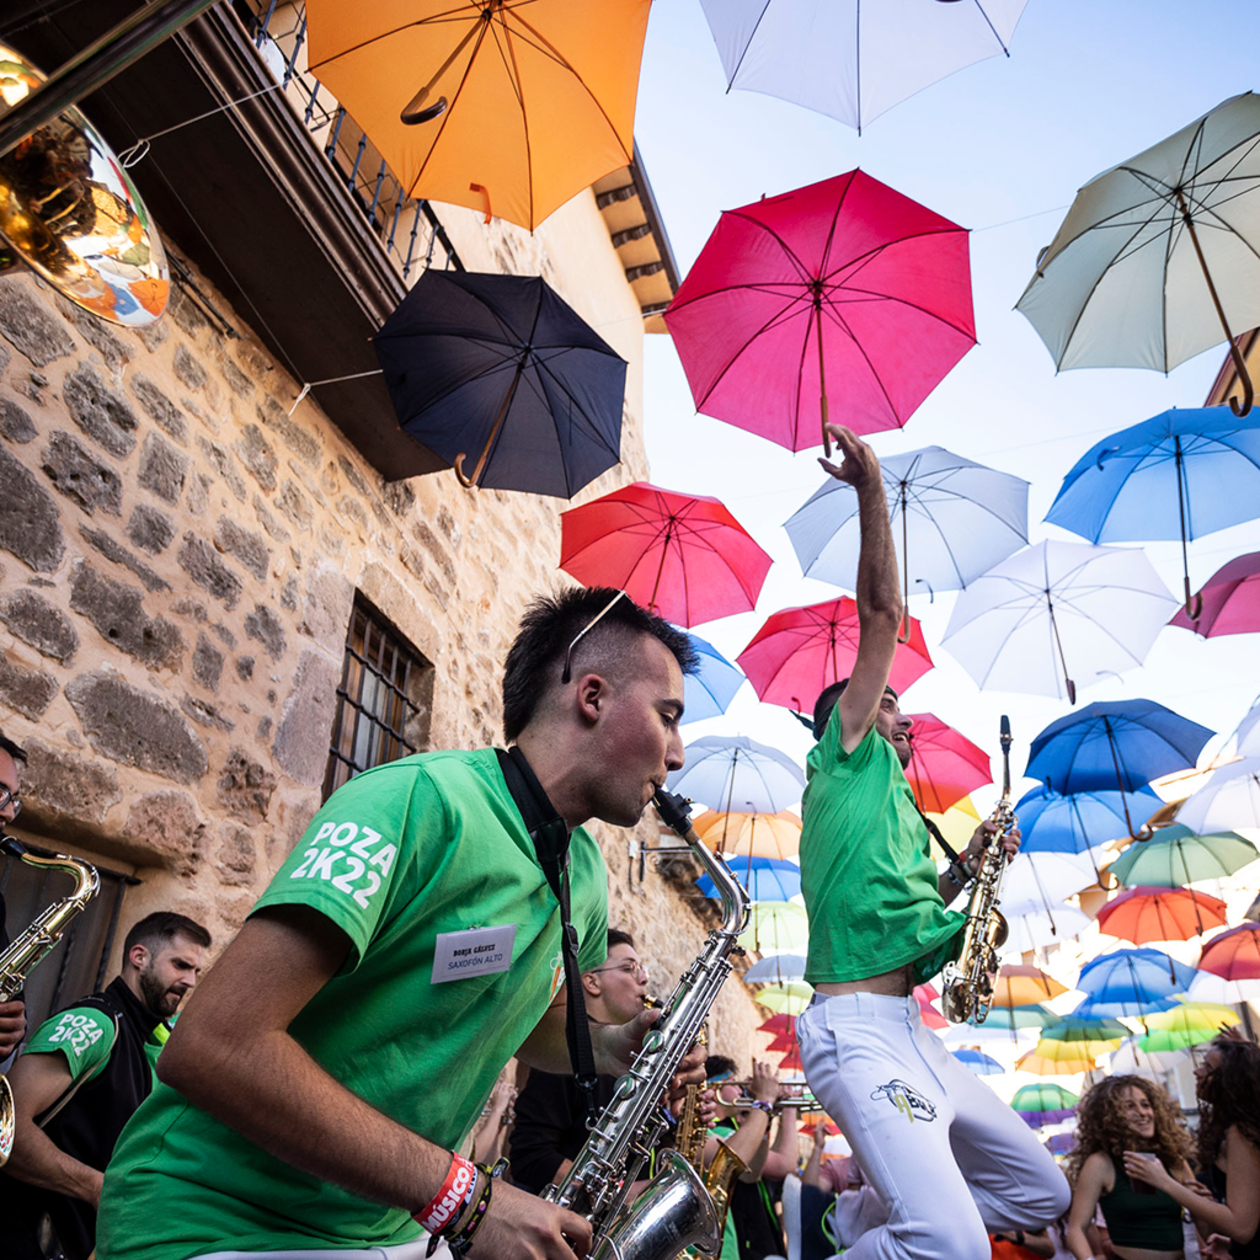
pixel 682 555
pixel 944 765
pixel 1231 600
pixel 1234 955
pixel 844 291
pixel 779 1024
pixel 925 994
pixel 791 1062
pixel 799 651
pixel 782 1044
pixel 1161 914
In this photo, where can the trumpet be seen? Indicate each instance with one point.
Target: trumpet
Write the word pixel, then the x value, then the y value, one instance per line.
pixel 802 1100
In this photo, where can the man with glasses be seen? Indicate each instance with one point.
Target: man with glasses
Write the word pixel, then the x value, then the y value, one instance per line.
pixel 551 1111
pixel 326 1071
pixel 12 1014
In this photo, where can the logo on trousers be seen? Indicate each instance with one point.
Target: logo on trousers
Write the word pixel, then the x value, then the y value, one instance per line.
pixel 907 1100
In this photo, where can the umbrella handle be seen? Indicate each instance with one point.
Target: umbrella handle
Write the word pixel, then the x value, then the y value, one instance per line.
pixel 465 480
pixel 1244 379
pixel 1194 603
pixel 903 628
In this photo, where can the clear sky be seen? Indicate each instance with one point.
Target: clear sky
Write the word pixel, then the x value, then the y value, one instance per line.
pixel 1001 148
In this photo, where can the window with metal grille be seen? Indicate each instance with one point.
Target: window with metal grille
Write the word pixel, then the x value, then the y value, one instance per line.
pixel 383 702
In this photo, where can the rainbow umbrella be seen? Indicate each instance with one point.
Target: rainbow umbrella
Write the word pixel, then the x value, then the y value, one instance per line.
pixel 1052 1065
pixel 1044 1103
pixel 1089 1036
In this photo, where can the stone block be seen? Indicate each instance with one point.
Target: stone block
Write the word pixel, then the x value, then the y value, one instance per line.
pixel 306 721
pixel 97 333
pixel 81 478
pixel 326 608
pixel 29 326
pixel 150 530
pixel 164 413
pixel 117 611
pixel 167 825
pixel 295 505
pixel 33 619
pixel 29 521
pixel 115 551
pixel 207 663
pixel 26 691
pixel 163 469
pixel 188 368
pixel 289 593
pixel 269 522
pixel 246 546
pixel 258 456
pixel 15 424
pixel 301 442
pixel 5 357
pixel 201 562
pixel 433 545
pixel 235 857
pixel 263 624
pixel 333 541
pixel 59 782
pixel 245 668
pixel 238 382
pixel 206 714
pixel 245 787
pixel 135 727
pixel 102 413
pixel 220 459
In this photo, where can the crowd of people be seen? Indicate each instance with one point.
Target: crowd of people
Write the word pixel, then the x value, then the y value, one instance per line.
pixel 338 1085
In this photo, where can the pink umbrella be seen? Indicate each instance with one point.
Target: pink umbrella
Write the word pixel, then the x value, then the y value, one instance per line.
pixel 944 764
pixel 845 292
pixel 799 651
pixel 932 1018
pixel 1230 600
pixel 1234 955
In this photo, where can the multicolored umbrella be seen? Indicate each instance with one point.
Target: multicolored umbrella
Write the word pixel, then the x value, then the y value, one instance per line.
pixel 944 764
pixel 1015 1018
pixel 1192 1022
pixel 1044 1103
pixel 771 837
pixel 1177 856
pixel 800 651
pixel 978 1062
pixel 1089 1036
pixel 1234 955
pixel 1044 1065
pixel 682 555
pixel 844 292
pixel 1229 602
pixel 732 770
pixel 1160 914
pixel 1023 985
pixel 1071 1052
pixel 1035 925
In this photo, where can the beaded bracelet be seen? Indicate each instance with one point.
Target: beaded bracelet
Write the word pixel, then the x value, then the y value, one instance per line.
pixel 460 1244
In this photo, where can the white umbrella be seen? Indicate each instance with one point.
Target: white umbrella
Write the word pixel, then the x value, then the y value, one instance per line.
pixel 1033 926
pixel 952 520
pixel 850 60
pixel 1046 877
pixel 1249 733
pixel 734 772
pixel 1228 800
pixel 1206 987
pixel 1057 614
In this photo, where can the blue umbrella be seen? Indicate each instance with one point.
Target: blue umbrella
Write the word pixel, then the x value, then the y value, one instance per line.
pixel 767 879
pixel 980 1064
pixel 1131 982
pixel 1052 823
pixel 1012 1017
pixel 777 969
pixel 1181 474
pixel 708 692
pixel 1115 746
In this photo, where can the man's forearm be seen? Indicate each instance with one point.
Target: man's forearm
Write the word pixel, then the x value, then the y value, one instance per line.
pixel 878 588
pixel 39 1161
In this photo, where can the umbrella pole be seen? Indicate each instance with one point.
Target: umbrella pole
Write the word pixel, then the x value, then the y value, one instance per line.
pixel 1244 377
pixel 822 370
pixel 660 569
pixel 1194 604
pixel 1115 761
pixel 903 630
pixel 468 482
pixel 1058 642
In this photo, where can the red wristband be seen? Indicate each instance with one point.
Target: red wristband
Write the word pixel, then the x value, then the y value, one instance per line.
pixel 448 1203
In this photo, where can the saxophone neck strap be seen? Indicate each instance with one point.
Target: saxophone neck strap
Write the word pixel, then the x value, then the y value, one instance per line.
pixel 550 835
pixel 935 832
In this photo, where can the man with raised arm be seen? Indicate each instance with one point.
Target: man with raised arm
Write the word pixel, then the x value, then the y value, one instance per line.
pixel 328 1068
pixel 951 1160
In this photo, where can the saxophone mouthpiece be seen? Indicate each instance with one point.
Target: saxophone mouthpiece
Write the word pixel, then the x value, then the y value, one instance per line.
pixel 15 848
pixel 675 811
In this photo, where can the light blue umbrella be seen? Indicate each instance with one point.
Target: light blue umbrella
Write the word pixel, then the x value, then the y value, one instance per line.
pixel 777 969
pixel 1181 474
pixel 736 773
pixel 1053 823
pixel 709 691
pixel 978 1062
pixel 766 879
pixel 1011 1017
pixel 1131 982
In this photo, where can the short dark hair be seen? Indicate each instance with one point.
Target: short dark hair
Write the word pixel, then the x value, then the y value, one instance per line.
pixel 161 928
pixel 552 622
pixel 16 751
pixel 827 700
pixel 717 1065
pixel 617 937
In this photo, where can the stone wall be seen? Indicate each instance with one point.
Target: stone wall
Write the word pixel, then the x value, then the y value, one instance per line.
pixel 178 559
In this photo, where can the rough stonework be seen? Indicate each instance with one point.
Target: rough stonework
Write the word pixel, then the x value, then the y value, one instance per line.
pixel 40 623
pixel 29 325
pixel 81 478
pixel 166 823
pixel 102 413
pixel 27 691
pixel 117 611
pixel 199 560
pixel 301 745
pixel 29 521
pixel 15 423
pixel 68 785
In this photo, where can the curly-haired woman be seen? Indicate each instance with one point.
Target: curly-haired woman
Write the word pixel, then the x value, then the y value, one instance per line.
pixel 1128 1114
pixel 1228 1081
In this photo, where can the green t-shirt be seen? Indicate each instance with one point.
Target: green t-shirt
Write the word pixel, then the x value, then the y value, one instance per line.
pixel 867 874
pixel 83 1034
pixel 402 854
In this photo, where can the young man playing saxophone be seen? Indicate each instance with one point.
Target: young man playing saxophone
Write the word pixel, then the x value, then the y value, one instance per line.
pixel 947 1156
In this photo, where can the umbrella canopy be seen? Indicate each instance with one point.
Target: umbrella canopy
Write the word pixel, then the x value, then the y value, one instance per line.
pixel 852 61
pixel 1248 733
pixel 1234 955
pixel 709 691
pixel 1024 985
pixel 1044 1103
pixel 1087 1035
pixel 779 1025
pixel 1045 878
pixel 682 555
pixel 1131 981
pixel 1053 823
pixel 1161 1040
pixel 1033 924
pixel 1018 1017
pixel 1161 914
pixel 944 764
pixel 843 292
pixel 1188 1024
pixel 1157 259
pixel 507 107
pixel 1183 474
pixel 765 879
pixel 957 824
pixel 800 651
pixel 731 770
pixel 1229 603
pixel 1210 988
pixel 776 969
pixel 1057 614
pixel 1228 800
pixel 1177 856
pixel 1043 1065
pixel 777 927
pixel 758 836
pixel 504 380
pixel 1055 1050
pixel 785 999
pixel 978 1062
pixel 791 1062
pixel 952 519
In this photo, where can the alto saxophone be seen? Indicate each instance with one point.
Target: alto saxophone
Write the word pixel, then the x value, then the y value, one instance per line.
pixel 28 949
pixel 726 1167
pixel 967 989
pixel 675 1211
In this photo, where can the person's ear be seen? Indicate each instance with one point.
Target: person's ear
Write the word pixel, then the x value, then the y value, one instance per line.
pixel 138 956
pixel 590 983
pixel 592 690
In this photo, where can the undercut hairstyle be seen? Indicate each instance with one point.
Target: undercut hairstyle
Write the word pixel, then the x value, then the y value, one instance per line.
pixel 16 751
pixel 1229 1097
pixel 536 659
pixel 1102 1125
pixel 827 700
pixel 156 931
pixel 617 937
pixel 718 1065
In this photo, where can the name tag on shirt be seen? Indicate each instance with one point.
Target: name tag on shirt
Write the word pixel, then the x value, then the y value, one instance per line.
pixel 476 952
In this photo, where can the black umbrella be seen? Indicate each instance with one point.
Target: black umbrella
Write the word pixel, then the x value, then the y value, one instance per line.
pixel 500 365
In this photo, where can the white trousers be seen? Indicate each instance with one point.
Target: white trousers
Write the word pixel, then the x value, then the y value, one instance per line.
pixel 951 1161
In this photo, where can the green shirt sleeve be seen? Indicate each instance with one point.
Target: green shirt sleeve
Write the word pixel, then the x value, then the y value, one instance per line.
pixel 83 1034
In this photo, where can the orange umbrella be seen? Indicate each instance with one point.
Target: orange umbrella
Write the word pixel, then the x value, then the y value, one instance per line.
pixel 750 835
pixel 507 106
pixel 1042 1066
pixel 1161 914
pixel 1024 986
